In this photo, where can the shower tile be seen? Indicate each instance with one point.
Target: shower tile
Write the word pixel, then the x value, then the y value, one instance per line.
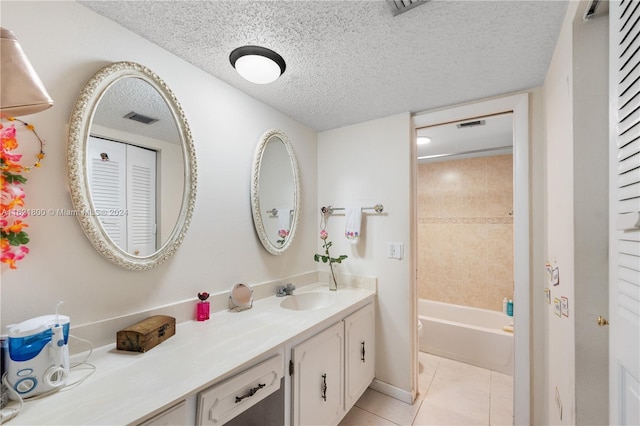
pixel 468 202
pixel 499 203
pixel 501 173
pixel 475 239
pixel 498 290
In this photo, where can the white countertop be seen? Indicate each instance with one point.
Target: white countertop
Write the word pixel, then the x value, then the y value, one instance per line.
pixel 127 386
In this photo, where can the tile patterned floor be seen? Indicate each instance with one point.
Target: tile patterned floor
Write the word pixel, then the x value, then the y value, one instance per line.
pixel 450 393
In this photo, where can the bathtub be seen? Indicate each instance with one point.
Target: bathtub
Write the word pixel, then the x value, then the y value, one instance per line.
pixel 470 335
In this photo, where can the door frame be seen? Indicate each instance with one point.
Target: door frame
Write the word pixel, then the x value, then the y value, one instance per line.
pixel 518 104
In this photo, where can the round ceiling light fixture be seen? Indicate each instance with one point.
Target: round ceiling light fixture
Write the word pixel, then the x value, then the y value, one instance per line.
pixel 422 140
pixel 257 64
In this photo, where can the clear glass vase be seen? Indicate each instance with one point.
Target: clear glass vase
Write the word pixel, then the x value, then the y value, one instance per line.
pixel 333 283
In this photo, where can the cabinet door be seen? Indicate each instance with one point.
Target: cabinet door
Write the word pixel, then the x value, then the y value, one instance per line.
pixel 318 378
pixel 359 352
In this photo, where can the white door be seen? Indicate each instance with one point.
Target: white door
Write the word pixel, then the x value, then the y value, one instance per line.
pixel 318 378
pixel 107 168
pixel 360 356
pixel 141 201
pixel 624 282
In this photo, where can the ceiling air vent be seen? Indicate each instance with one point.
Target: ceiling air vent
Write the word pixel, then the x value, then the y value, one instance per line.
pixel 140 118
pixel 471 124
pixel 400 6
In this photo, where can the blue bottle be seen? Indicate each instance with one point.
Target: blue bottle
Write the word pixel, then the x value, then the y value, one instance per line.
pixel 510 307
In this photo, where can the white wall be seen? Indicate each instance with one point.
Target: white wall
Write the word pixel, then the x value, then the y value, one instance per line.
pixel 366 164
pixel 576 122
pixel 67 43
pixel 558 102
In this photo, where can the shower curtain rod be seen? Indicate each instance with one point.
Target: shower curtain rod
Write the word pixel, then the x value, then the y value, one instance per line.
pixel 476 151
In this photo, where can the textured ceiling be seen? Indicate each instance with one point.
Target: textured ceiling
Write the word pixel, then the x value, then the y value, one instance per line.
pixel 353 61
pixel 136 95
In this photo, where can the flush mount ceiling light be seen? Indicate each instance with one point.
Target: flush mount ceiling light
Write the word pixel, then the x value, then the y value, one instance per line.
pixel 257 64
pixel 423 140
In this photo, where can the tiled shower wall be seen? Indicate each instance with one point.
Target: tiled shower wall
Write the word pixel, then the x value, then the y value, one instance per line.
pixel 465 231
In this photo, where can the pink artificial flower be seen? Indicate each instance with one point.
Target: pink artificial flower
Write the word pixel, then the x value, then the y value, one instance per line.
pixel 14 190
pixel 323 235
pixel 11 256
pixel 283 233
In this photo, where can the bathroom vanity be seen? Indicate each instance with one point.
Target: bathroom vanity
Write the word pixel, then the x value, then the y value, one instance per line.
pixel 304 358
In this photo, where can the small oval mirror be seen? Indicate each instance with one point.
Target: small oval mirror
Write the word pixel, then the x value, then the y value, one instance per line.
pixel 275 192
pixel 241 297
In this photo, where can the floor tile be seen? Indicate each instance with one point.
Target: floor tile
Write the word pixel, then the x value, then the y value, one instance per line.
pixel 433 414
pixel 449 393
pixel 471 400
pixel 501 407
pixel 427 365
pixel 359 417
pixel 387 407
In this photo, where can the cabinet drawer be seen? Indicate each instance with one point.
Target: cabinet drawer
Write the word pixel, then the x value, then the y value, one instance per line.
pixel 222 402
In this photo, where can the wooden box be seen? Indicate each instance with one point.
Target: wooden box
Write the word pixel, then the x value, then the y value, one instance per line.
pixel 146 334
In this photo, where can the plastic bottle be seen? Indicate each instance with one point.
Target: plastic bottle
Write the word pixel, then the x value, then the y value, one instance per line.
pixel 504 306
pixel 510 307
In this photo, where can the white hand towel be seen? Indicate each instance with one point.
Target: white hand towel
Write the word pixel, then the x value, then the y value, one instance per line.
pixel 283 218
pixel 352 225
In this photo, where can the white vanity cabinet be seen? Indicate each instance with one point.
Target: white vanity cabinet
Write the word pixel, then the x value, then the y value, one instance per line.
pixel 224 401
pixel 360 353
pixel 232 369
pixel 318 379
pixel 332 369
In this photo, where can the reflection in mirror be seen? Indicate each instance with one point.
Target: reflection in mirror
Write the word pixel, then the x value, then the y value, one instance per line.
pixel 131 166
pixel 275 192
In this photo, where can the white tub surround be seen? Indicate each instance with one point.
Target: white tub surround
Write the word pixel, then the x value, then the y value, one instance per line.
pixel 129 388
pixel 471 335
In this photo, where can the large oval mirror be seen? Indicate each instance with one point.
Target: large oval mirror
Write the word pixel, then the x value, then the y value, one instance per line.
pixel 275 192
pixel 131 166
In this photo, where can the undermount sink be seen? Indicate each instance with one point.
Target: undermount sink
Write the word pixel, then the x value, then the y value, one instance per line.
pixel 306 301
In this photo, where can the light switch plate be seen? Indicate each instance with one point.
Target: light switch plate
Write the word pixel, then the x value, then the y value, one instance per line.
pixel 394 251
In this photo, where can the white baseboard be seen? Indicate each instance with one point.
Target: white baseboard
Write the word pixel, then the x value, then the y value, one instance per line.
pixel 392 391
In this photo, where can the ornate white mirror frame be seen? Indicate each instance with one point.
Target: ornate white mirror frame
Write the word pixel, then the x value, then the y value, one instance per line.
pixel 262 212
pixel 79 132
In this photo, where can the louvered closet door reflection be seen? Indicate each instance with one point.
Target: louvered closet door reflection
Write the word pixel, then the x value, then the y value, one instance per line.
pixel 107 171
pixel 625 284
pixel 123 189
pixel 141 201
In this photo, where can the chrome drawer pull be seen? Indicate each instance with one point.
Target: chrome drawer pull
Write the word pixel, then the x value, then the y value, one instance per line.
pixel 251 392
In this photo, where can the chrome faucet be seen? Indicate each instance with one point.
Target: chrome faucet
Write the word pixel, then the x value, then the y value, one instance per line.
pixel 285 290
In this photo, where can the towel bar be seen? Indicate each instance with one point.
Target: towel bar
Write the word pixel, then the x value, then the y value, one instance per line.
pixel 379 208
